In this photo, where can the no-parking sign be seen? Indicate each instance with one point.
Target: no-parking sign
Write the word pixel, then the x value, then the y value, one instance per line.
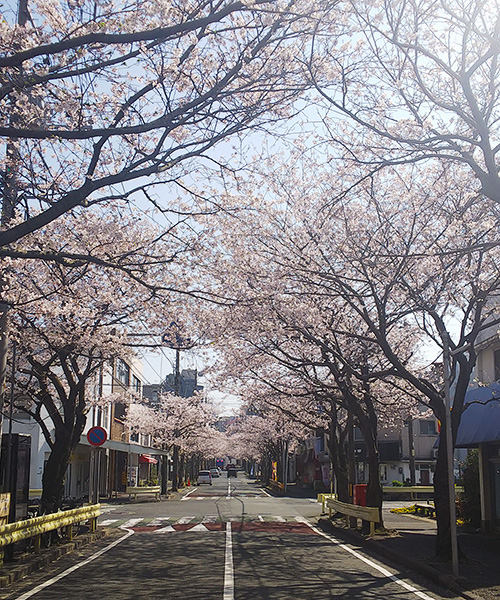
pixel 97 436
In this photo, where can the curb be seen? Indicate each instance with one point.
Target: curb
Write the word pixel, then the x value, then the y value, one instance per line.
pixel 34 562
pixel 427 571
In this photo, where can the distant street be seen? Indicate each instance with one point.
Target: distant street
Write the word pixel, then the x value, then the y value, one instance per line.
pixel 228 541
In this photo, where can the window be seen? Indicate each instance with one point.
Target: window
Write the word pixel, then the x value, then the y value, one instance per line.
pixel 122 372
pixel 428 428
pixel 136 384
pixel 496 359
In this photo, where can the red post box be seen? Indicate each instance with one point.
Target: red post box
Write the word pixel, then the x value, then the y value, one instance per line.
pixel 360 494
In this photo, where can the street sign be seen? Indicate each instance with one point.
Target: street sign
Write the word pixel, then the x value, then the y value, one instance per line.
pixel 97 436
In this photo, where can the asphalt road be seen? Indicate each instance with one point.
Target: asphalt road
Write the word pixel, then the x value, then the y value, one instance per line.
pixel 228 541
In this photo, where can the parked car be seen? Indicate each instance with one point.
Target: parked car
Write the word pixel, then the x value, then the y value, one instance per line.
pixel 214 472
pixel 204 477
pixel 232 472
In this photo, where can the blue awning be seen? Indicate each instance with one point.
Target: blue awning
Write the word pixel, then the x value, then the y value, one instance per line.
pixel 480 421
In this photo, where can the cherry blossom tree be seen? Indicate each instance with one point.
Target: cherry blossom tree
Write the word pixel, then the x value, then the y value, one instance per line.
pixel 301 352
pixel 263 436
pixel 181 425
pixel 413 82
pixel 95 96
pixel 71 317
pixel 408 258
pixel 101 103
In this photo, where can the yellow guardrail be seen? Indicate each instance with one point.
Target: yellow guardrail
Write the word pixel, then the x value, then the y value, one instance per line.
pixel 277 486
pixel 366 513
pixel 323 498
pixel 34 528
pixel 414 490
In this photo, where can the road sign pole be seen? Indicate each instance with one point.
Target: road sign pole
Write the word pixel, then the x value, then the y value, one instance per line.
pixel 91 477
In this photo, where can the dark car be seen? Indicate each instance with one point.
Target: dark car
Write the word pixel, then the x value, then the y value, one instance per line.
pixel 232 472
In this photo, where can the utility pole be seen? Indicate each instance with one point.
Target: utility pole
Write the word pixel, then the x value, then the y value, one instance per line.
pixel 411 445
pixel 173 339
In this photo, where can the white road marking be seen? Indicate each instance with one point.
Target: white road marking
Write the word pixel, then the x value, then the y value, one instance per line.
pixel 166 529
pixel 55 579
pixel 228 497
pixel 199 527
pixel 108 509
pixel 184 520
pixel 228 566
pixel 186 496
pixel 280 519
pixel 158 521
pixel 131 523
pixel 210 519
pixel 261 518
pixel 374 565
pixel 108 522
pixel 264 491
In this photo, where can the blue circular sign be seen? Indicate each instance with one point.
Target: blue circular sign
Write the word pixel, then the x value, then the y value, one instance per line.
pixel 96 436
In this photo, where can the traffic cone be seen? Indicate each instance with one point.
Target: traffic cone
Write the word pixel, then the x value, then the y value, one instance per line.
pixel 189 482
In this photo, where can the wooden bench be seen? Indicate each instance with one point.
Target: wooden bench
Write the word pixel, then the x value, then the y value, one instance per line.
pixel 140 490
pixel 365 513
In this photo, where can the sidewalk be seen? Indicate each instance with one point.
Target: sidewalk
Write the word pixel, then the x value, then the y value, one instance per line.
pixel 412 544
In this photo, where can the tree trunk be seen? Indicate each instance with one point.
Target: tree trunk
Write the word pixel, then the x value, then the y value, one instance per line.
pixel 374 495
pixel 54 475
pixel 338 455
pixel 442 504
pixel 175 468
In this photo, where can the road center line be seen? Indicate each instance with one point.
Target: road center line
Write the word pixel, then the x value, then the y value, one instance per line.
pixel 369 562
pixel 228 497
pixel 55 579
pixel 228 566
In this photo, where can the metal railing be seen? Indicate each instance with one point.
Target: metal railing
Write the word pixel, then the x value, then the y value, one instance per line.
pixel 365 513
pixel 34 528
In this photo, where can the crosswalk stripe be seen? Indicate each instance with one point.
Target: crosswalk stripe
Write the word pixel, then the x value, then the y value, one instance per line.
pixel 161 522
pixel 132 522
pixel 108 522
pixel 158 521
pixel 184 520
pixel 210 519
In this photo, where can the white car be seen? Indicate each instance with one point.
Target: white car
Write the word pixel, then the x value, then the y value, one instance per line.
pixel 204 477
pixel 215 472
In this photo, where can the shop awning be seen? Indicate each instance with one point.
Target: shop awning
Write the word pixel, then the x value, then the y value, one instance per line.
pixel 480 422
pixel 147 459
